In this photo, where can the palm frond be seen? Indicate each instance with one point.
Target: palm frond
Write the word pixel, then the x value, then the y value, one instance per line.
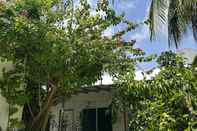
pixel 194 27
pixel 195 62
pixel 177 23
pixel 157 16
pixel 194 21
pixel 178 14
pixel 152 20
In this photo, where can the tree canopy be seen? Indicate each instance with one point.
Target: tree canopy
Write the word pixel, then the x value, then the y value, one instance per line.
pixel 166 102
pixel 58 46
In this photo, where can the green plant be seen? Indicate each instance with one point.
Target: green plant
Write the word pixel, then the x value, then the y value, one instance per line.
pixel 167 102
pixel 57 46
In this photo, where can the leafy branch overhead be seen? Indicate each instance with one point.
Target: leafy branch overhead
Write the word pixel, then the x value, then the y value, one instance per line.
pixel 167 101
pixel 59 46
pixel 172 17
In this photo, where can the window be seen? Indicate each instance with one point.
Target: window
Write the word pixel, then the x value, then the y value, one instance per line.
pixel 99 119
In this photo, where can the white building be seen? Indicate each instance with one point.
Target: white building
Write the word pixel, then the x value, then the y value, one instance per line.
pixel 88 110
pixel 188 53
pixel 4 106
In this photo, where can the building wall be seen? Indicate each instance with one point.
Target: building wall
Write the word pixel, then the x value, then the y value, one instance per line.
pixel 4 106
pixel 189 54
pixel 3 113
pixel 77 103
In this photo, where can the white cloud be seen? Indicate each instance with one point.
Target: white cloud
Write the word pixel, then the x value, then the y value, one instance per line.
pixel 139 75
pixel 141 35
pixel 127 4
pixel 108 32
pixel 101 13
pixel 92 2
pixel 106 80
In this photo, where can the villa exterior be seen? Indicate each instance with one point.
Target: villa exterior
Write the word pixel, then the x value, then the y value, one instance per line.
pixel 4 107
pixel 188 53
pixel 87 110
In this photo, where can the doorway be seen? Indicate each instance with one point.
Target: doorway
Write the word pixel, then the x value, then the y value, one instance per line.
pixel 99 119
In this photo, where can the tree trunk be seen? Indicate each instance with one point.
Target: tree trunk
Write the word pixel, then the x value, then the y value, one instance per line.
pixel 40 120
pixel 31 108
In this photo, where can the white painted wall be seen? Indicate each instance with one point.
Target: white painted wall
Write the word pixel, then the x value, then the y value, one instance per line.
pixel 3 113
pixel 82 101
pixel 4 106
pixel 188 53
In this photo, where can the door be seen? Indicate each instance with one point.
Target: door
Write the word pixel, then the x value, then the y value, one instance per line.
pixel 89 120
pixel 99 119
pixel 104 119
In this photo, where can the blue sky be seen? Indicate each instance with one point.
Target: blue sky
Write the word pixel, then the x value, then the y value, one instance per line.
pixel 137 11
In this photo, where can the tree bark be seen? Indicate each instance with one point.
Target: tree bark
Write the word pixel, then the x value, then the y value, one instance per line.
pixel 39 122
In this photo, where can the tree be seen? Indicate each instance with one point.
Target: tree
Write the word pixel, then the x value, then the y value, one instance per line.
pixel 55 45
pixel 167 102
pixel 195 62
pixel 177 14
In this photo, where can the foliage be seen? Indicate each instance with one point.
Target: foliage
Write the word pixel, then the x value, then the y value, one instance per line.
pixel 168 102
pixel 170 59
pixel 61 47
pixel 195 62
